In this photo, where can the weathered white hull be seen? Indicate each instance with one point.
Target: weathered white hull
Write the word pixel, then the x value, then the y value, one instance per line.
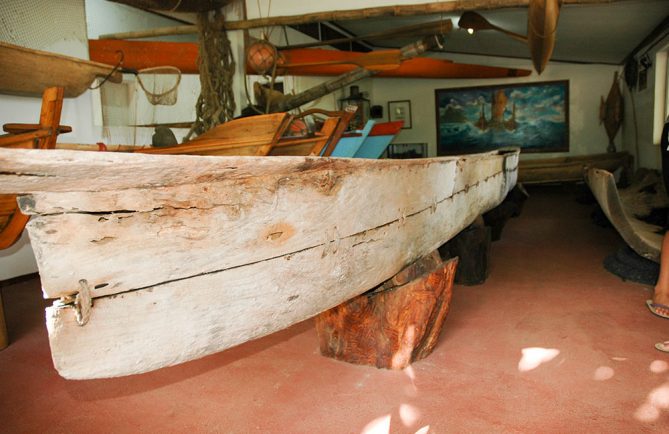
pixel 186 256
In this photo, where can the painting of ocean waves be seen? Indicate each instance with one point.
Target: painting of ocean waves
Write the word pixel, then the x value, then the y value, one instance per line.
pixel 532 116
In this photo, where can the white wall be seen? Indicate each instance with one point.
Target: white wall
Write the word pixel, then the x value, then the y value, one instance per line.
pixel 587 83
pixel 644 103
pixel 69 38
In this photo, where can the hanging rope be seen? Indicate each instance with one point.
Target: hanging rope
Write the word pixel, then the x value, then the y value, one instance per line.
pixel 216 103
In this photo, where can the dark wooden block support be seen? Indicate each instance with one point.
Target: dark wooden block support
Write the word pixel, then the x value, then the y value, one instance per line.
pixel 394 325
pixel 4 339
pixel 512 205
pixel 472 246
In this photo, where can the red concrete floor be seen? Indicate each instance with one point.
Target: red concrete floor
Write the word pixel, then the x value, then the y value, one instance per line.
pixel 551 343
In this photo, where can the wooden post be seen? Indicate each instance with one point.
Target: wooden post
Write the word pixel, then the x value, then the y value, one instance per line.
pixel 394 325
pixel 4 338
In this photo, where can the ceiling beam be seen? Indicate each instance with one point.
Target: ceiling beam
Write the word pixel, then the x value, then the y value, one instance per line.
pixel 655 33
pixel 432 8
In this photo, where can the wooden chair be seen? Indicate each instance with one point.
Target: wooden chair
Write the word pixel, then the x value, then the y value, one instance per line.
pixel 29 136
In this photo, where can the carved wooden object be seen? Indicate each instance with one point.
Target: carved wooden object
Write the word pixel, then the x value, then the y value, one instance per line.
pixel 184 256
pixel 395 326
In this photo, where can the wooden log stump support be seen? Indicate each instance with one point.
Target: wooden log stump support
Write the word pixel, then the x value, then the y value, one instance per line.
pixel 394 325
pixel 4 338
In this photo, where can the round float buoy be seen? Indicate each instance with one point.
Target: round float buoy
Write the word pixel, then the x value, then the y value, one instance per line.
pixel 261 57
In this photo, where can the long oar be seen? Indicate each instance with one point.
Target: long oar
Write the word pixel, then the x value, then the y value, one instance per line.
pixel 376 60
pixel 472 20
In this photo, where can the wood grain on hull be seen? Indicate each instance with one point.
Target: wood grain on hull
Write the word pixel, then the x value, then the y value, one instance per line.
pixel 192 255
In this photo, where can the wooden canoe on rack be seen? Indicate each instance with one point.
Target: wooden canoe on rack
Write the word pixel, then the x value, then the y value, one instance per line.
pixel 264 135
pixel 28 72
pixel 183 55
pixel 303 59
pixel 571 168
pixel 183 256
pixel 542 23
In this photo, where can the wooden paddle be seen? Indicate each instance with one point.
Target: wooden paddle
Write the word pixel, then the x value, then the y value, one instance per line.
pixel 375 60
pixel 473 20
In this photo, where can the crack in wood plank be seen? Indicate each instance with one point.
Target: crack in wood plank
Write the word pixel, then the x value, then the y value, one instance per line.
pixel 316 246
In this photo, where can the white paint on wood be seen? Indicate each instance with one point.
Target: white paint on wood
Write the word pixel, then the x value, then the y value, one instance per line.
pixel 203 253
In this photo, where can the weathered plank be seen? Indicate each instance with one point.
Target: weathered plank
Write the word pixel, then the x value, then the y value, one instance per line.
pixel 4 337
pixel 232 246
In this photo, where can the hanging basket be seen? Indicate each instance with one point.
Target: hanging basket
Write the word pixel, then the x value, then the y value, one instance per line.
pixel 160 84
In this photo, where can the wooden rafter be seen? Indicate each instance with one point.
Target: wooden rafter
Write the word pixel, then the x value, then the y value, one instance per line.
pixel 176 5
pixel 355 14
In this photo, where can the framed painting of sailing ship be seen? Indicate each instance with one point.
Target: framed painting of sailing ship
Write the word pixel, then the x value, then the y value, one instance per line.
pixel 532 116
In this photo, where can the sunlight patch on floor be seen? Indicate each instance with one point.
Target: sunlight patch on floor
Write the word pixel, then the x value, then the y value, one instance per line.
pixel 658 366
pixel 657 400
pixel 603 373
pixel 409 414
pixel 533 357
pixel 380 425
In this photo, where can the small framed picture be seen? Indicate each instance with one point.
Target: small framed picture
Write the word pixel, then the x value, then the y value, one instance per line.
pixel 400 111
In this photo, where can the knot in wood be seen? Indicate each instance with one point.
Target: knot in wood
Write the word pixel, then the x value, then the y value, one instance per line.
pixel 327 182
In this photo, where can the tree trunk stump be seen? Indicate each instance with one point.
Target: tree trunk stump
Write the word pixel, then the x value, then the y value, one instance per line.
pixel 395 324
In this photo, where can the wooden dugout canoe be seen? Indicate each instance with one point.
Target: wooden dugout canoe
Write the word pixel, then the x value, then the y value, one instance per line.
pixel 542 22
pixel 263 135
pixel 571 168
pixel 417 67
pixel 183 55
pixel 184 256
pixel 645 239
pixel 28 72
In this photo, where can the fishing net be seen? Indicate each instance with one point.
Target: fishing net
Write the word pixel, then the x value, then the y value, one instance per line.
pixel 216 103
pixel 160 84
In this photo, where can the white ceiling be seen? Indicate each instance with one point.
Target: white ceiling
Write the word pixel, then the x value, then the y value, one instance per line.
pixel 604 33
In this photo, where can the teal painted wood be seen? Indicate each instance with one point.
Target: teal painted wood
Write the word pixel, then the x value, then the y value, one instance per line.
pixel 348 146
pixel 377 142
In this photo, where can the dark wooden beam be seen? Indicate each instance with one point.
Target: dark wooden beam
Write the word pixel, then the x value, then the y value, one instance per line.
pixel 176 5
pixel 358 14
